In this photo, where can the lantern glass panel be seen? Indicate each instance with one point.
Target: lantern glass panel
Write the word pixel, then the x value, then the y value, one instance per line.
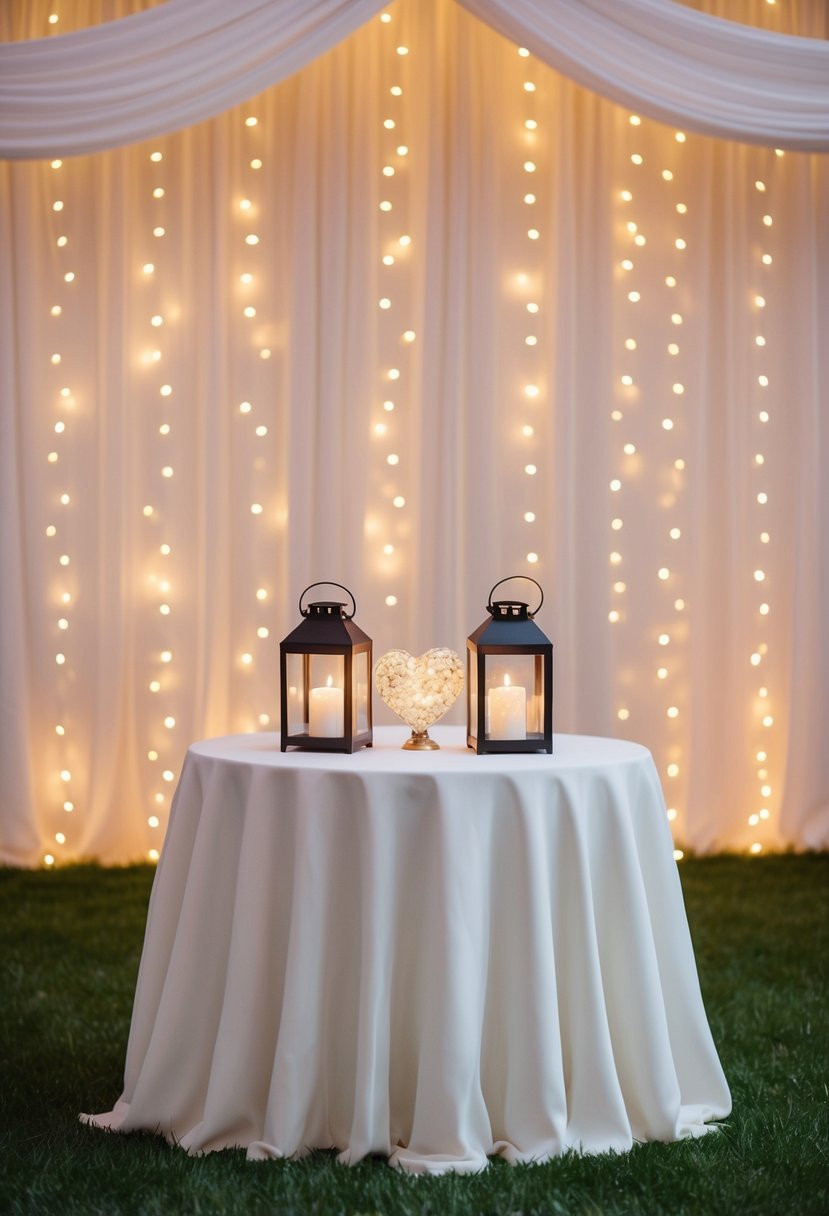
pixel 472 692
pixel 297 699
pixel 316 696
pixel 361 678
pixel 514 692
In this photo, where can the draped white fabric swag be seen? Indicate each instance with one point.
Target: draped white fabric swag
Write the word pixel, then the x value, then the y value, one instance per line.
pixel 188 60
pixel 112 453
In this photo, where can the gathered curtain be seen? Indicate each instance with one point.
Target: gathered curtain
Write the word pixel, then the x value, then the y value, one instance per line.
pixel 184 61
pixel 425 314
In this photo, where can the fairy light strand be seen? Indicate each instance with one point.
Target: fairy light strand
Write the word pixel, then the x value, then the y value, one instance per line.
pixel 397 336
pixel 531 391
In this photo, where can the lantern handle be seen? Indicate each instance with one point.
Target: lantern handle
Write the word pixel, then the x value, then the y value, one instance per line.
pixel 348 616
pixel 508 579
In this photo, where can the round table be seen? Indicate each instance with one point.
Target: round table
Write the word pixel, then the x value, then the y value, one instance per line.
pixel 435 956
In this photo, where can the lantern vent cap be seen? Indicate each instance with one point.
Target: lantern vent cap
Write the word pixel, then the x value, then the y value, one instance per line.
pixel 517 610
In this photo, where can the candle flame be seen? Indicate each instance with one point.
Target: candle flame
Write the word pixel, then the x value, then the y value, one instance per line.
pixel 329 682
pixel 507 681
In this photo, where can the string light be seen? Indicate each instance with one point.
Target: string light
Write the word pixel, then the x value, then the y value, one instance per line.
pixel 394 245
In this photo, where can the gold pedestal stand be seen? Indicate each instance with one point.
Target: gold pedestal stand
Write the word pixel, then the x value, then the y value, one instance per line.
pixel 420 742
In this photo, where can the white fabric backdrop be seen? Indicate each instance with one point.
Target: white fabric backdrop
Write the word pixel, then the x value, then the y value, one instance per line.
pixel 186 60
pixel 135 467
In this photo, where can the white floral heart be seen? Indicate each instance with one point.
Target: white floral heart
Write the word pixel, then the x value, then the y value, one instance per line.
pixel 419 690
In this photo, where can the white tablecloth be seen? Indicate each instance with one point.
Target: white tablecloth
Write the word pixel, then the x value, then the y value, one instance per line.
pixel 434 956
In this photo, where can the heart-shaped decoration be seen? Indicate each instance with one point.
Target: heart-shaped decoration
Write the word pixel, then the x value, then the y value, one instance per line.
pixel 419 690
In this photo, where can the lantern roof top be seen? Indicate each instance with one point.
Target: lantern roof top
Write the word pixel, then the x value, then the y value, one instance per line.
pixel 518 629
pixel 329 629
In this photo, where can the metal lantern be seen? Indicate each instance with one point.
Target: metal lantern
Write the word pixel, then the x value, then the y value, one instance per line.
pixel 325 677
pixel 509 679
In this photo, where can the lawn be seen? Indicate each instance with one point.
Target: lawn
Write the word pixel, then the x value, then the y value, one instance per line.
pixel 70 942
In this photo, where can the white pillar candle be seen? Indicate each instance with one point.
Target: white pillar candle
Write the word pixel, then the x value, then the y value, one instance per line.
pixel 326 714
pixel 507 711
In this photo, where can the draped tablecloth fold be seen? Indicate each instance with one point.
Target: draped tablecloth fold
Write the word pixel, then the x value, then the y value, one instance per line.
pixel 435 957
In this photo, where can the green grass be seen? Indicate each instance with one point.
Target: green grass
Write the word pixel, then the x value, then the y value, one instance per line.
pixel 70 941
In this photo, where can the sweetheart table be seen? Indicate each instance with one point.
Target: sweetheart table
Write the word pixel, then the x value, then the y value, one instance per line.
pixel 435 956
